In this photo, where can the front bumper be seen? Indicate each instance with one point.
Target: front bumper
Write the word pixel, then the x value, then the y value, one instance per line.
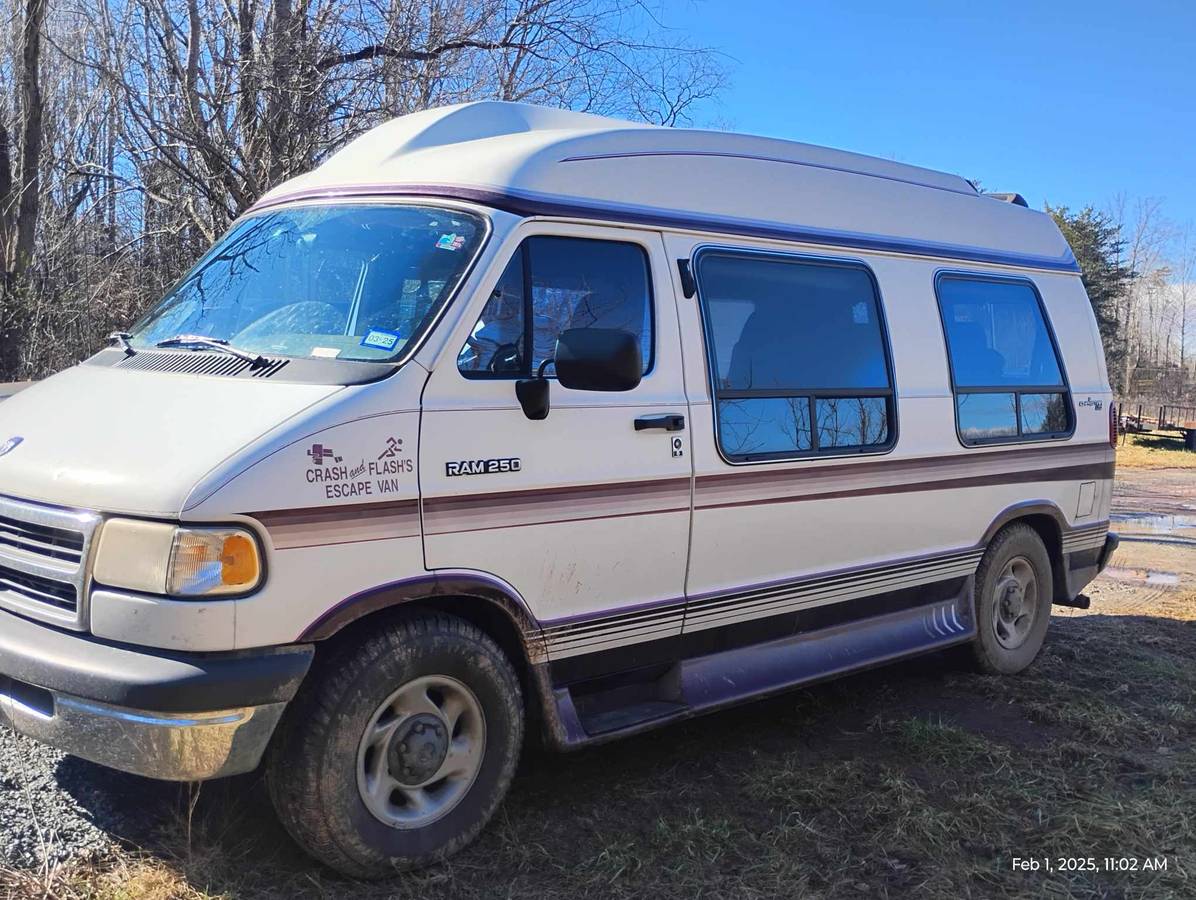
pixel 174 716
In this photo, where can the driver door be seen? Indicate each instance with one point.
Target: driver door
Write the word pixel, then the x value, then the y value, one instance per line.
pixel 584 515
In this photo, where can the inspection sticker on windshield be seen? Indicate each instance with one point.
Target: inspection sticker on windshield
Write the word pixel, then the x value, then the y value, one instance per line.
pixel 381 339
pixel 450 241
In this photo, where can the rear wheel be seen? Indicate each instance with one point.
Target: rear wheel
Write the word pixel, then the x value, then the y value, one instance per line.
pixel 402 748
pixel 1014 592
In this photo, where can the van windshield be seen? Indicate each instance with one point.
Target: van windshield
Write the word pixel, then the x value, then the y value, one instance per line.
pixel 356 282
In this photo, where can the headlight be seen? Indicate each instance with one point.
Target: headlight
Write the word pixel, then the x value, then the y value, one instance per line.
pixel 180 561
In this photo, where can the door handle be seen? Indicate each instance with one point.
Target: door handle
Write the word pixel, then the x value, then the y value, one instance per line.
pixel 666 422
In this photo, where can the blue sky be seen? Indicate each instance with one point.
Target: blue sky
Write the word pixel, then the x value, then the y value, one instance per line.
pixel 1060 100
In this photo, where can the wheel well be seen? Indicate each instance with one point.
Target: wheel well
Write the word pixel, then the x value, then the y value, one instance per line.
pixel 1052 538
pixel 485 615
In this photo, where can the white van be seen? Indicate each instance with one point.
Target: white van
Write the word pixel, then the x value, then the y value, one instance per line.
pixel 511 415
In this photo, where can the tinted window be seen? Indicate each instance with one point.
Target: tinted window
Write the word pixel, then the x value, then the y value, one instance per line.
pixel 1044 413
pixel 763 425
pixel 852 421
pixel 983 417
pixel 780 324
pixel 996 334
pixel 798 354
pixel 496 344
pixel 557 283
pixel 1002 358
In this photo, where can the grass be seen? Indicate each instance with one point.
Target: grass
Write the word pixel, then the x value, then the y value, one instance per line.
pixel 917 779
pixel 1155 450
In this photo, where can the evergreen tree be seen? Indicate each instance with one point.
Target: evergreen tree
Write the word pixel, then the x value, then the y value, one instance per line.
pixel 1096 241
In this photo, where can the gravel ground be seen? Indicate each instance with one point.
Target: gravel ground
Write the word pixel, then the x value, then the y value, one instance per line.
pixel 40 820
pixel 55 809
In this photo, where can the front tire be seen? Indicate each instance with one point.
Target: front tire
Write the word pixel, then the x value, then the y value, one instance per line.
pixel 400 750
pixel 1014 592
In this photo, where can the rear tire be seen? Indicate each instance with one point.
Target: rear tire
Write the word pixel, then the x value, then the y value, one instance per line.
pixel 1014 592
pixel 400 749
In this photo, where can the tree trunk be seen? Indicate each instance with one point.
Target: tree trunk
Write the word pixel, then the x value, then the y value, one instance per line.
pixel 278 109
pixel 31 138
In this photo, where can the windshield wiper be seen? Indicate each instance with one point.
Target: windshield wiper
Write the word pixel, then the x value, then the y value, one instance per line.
pixel 122 338
pixel 203 342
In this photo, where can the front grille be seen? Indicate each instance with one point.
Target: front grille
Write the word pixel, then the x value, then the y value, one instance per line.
pixel 44 540
pixel 41 590
pixel 43 560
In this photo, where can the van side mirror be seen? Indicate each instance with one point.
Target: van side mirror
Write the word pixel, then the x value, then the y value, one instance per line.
pixel 598 359
pixel 587 359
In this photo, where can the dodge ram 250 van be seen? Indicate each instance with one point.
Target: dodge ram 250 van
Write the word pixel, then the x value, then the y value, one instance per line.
pixel 509 415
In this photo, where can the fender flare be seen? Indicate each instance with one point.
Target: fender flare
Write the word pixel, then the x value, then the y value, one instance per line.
pixel 1021 511
pixel 433 585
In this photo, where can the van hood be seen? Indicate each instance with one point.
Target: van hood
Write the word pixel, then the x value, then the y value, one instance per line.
pixel 120 440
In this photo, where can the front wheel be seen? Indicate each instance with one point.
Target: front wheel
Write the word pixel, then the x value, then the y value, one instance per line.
pixel 401 750
pixel 1014 592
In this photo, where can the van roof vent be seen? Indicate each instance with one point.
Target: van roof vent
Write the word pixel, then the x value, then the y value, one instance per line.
pixel 1015 199
pixel 194 362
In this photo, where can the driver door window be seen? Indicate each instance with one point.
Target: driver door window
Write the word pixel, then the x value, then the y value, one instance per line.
pixel 553 283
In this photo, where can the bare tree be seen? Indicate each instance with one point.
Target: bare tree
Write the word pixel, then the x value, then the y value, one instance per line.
pixel 1146 233
pixel 1184 270
pixel 20 173
pixel 133 131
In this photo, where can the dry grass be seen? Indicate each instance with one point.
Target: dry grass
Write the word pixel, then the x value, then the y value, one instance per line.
pixel 1155 450
pixel 135 877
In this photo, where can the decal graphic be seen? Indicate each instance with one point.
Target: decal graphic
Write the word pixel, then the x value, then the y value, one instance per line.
pixel 450 241
pixel 319 453
pixel 1098 405
pixel 381 339
pixel 365 478
pixel 678 447
pixel 394 446
pixel 454 468
pixel 11 444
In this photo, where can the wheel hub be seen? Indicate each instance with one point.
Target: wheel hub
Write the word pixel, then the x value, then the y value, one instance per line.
pixel 1012 598
pixel 1015 603
pixel 418 749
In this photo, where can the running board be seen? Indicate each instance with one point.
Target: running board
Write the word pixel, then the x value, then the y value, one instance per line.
pixel 706 683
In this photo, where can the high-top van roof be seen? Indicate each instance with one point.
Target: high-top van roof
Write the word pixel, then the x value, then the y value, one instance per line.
pixel 538 161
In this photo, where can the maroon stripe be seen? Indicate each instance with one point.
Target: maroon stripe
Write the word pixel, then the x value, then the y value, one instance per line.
pixel 315 515
pixel 531 496
pixel 890 465
pixel 505 525
pixel 1067 473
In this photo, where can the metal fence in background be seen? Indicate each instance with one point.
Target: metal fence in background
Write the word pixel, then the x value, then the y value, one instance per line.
pixel 1138 415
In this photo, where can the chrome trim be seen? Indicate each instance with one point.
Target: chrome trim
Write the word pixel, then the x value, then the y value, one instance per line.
pixel 37 557
pixel 183 747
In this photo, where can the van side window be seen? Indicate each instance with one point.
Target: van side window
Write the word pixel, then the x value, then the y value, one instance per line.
pixel 799 356
pixel 1005 368
pixel 554 283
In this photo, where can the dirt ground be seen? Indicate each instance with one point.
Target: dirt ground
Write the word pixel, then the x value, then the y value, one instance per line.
pixel 1075 779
